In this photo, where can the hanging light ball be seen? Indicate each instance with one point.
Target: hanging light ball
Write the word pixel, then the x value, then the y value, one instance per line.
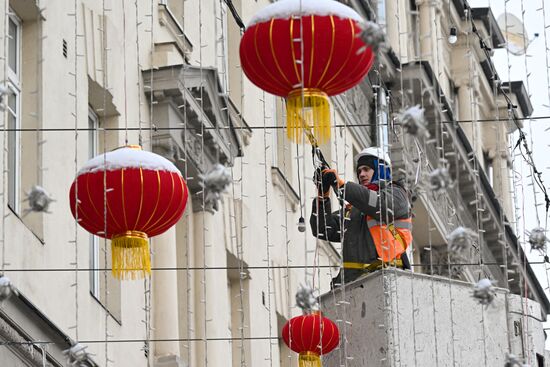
pixel 127 196
pixel 440 180
pixel 460 241
pixel 453 35
pixel 306 300
pixel 456 270
pixel 413 122
pixel 39 200
pixel 301 224
pixel 372 35
pixel 77 355
pixel 311 336
pixel 6 288
pixel 538 239
pixel 305 51
pixel 215 182
pixel 484 291
pixel 3 97
pixel 513 361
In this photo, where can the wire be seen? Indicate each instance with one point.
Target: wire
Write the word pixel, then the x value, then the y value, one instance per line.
pixel 235 14
pixel 156 128
pixel 160 340
pixel 522 140
pixel 258 267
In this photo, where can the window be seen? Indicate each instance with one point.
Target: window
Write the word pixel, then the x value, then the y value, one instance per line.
pixel 383 119
pixel 282 153
pixel 13 148
pixel 414 41
pixel 488 166
pixel 14 47
pixel 176 9
pixel 23 108
pixel 93 124
pixel 287 358
pixel 14 111
pixel 453 94
pixel 381 18
pixel 101 280
pixel 238 292
pixel 540 360
pixel 234 74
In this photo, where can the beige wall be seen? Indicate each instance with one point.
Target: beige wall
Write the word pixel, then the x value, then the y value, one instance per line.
pixel 195 302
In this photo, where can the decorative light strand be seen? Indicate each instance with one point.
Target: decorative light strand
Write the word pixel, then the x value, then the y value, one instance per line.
pixel 105 80
pixel 518 174
pixel 203 194
pixel 406 164
pixel 474 105
pixel 75 115
pixel 267 237
pixel 5 158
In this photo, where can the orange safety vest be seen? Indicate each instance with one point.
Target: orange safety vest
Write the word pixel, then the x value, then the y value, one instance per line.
pixel 390 240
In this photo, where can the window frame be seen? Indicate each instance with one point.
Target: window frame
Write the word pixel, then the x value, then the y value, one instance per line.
pixel 15 76
pixel 98 278
pixel 383 135
pixel 381 14
pixel 93 124
pixel 14 87
pixel 93 137
pixel 14 175
pixel 282 153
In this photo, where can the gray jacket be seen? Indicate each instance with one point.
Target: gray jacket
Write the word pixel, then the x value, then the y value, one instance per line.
pixel 390 203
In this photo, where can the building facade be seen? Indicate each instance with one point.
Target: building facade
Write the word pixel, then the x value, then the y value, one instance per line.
pixel 84 77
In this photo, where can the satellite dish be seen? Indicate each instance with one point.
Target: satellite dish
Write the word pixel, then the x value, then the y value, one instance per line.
pixel 517 39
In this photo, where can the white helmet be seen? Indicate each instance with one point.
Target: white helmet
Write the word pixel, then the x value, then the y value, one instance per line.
pixel 374 152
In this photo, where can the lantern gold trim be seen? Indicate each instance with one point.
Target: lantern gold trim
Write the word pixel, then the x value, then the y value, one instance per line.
pixel 130 255
pixel 309 359
pixel 308 109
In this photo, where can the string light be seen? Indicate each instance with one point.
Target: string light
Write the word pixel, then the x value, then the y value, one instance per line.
pixel 452 36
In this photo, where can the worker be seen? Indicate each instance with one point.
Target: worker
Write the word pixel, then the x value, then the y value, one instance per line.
pixel 376 216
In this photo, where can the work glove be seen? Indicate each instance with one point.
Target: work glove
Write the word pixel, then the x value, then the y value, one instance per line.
pixel 326 178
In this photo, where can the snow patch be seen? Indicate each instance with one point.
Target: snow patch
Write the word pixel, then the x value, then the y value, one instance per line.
pixel 128 158
pixel 284 9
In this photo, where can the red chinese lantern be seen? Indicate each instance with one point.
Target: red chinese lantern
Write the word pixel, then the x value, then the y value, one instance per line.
pixel 311 336
pixel 306 51
pixel 128 195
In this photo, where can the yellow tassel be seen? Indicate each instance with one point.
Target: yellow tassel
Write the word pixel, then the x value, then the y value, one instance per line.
pixel 309 359
pixel 130 254
pixel 310 111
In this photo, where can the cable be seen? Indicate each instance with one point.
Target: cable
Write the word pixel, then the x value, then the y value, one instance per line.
pixel 522 140
pixel 359 125
pixel 259 267
pixel 160 340
pixel 235 14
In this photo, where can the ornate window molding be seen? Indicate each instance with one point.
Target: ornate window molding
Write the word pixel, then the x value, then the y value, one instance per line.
pixel 196 124
pixel 23 327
